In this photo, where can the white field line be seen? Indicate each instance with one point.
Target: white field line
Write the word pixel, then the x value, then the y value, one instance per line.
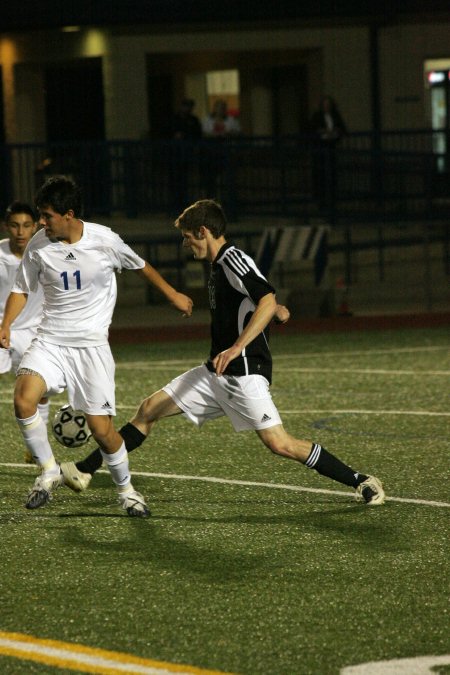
pixel 364 371
pixel 368 352
pixel 279 357
pixel 149 365
pixel 417 665
pixel 425 413
pixel 257 484
pixel 321 411
pixel 180 365
pixel 152 365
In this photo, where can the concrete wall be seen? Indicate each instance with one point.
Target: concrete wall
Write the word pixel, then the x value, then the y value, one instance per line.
pixel 337 60
pixel 403 52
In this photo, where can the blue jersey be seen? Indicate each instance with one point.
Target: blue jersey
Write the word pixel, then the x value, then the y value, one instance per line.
pixel 78 282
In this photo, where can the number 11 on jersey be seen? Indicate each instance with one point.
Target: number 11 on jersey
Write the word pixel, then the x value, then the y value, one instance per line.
pixel 65 277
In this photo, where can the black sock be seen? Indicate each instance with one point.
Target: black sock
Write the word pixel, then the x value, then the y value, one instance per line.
pixel 133 439
pixel 328 465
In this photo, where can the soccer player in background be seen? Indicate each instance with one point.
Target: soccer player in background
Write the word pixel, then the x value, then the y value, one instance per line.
pixel 236 377
pixel 75 263
pixel 20 225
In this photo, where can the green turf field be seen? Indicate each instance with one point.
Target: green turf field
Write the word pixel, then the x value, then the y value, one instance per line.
pixel 250 573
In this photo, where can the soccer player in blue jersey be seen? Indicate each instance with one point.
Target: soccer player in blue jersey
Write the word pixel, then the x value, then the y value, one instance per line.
pixel 20 225
pixel 74 262
pixel 235 379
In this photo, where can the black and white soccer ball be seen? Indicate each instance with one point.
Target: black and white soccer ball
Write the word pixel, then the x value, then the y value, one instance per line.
pixel 70 427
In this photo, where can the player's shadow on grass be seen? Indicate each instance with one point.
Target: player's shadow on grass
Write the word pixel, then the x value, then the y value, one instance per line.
pixel 226 547
pixel 352 524
pixel 170 554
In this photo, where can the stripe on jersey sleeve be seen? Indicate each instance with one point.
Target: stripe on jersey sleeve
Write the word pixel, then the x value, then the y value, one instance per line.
pixel 237 262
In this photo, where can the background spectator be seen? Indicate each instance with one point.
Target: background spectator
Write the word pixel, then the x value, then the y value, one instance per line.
pixel 185 123
pixel 328 127
pixel 327 121
pixel 219 123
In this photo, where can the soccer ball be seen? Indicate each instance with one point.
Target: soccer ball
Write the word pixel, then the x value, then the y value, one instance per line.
pixel 70 427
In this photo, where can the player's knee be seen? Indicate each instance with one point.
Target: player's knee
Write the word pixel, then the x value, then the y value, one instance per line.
pixel 24 405
pixel 148 410
pixel 289 447
pixel 279 449
pixel 144 413
pixel 277 443
pixel 101 428
pixel 27 394
pixel 274 444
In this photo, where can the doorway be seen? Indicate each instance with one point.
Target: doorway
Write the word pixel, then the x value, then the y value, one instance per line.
pixel 437 81
pixel 290 99
pixel 74 102
pixel 161 108
pixel 280 98
pixel 5 189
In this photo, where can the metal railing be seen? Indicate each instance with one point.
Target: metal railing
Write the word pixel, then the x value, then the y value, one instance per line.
pixel 366 176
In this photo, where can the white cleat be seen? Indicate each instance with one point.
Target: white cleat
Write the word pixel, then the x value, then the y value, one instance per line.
pixel 371 492
pixel 41 492
pixel 75 479
pixel 134 504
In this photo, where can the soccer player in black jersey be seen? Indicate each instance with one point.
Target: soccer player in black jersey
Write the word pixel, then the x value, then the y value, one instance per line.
pixel 235 379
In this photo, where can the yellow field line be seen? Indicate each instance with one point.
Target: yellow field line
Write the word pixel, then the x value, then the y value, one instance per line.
pixel 88 659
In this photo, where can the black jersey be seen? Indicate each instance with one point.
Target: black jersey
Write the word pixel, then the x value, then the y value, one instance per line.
pixel 235 287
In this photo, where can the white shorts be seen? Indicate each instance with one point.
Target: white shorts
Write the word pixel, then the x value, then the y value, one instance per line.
pixel 245 400
pixel 20 341
pixel 86 372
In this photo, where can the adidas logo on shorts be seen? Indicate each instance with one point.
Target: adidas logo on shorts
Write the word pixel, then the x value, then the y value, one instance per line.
pixel 265 418
pixel 106 405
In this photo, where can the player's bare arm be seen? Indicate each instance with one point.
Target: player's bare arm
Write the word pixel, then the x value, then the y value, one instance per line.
pixel 262 316
pixel 14 305
pixel 180 301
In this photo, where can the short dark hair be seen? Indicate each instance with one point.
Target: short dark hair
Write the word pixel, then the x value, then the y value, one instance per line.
pixel 62 194
pixel 206 212
pixel 19 207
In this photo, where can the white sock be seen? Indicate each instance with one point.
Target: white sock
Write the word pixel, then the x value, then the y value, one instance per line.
pixel 117 464
pixel 44 410
pixel 34 432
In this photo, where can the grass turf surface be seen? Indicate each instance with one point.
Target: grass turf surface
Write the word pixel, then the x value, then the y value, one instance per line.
pixel 248 578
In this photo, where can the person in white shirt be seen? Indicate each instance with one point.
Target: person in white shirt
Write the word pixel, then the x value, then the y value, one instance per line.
pixel 20 225
pixel 219 123
pixel 75 263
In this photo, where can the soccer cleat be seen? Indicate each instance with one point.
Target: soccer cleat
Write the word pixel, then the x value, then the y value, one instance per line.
pixel 370 491
pixel 134 504
pixel 75 479
pixel 41 492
